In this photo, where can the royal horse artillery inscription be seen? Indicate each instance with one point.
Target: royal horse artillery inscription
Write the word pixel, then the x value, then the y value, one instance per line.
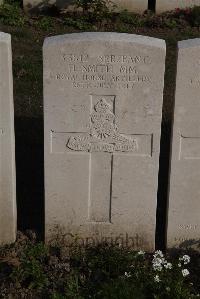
pixel 102 103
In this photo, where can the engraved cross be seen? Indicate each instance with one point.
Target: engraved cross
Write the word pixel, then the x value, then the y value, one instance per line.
pixel 102 141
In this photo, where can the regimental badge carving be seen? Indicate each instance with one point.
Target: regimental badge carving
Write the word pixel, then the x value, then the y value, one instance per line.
pixel 104 135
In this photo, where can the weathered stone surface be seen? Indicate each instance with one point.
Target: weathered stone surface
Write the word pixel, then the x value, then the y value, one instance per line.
pixel 7 148
pixel 184 204
pixel 102 109
pixel 167 5
pixel 138 6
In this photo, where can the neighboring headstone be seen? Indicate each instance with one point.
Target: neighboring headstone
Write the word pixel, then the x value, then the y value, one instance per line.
pixel 102 116
pixel 184 195
pixel 7 145
pixel 167 5
pixel 138 6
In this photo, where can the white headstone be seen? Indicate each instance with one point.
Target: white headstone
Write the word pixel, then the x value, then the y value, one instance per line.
pixel 137 6
pixel 102 108
pixel 184 203
pixel 167 5
pixel 7 145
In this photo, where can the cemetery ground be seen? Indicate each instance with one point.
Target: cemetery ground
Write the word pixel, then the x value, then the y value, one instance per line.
pixel 29 269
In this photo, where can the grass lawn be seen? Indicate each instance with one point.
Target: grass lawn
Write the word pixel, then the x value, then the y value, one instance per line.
pixel 29 269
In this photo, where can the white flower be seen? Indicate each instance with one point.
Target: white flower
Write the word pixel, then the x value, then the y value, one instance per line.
pixel 168 266
pixel 158 253
pixel 157 267
pixel 127 274
pixel 179 265
pixel 185 272
pixel 185 259
pixel 141 252
pixel 168 289
pixel 156 278
pixel 158 261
